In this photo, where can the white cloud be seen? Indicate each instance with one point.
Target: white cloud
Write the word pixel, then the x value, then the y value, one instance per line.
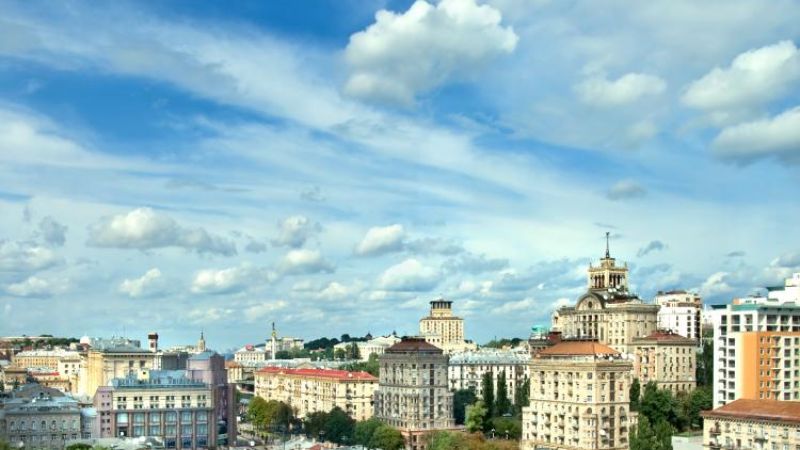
pixel 600 91
pixel 777 137
pixel 144 229
pixel 264 310
pixel 518 306
pixel 753 78
pixel 37 287
pixel 151 283
pixel 401 55
pixel 16 256
pixel 409 275
pixel 338 291
pixel 475 264
pixel 626 189
pixel 381 240
pixel 294 231
pixel 229 280
pixel 304 261
pixel 52 232
pixel 206 315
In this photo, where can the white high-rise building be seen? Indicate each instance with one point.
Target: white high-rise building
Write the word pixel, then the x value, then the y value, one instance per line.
pixel 681 313
pixel 779 311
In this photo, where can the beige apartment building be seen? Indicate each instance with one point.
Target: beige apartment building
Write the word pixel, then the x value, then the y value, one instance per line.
pixel 578 399
pixel 608 312
pixel 41 359
pixel 413 394
pixel 120 361
pixel 753 424
pixel 443 329
pixel 312 390
pixel 666 358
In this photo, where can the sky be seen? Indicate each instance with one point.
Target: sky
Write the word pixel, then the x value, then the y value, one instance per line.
pixel 332 166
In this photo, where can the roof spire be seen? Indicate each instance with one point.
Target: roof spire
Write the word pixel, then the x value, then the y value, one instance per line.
pixel 608 253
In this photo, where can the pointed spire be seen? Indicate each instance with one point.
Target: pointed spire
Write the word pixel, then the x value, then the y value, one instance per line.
pixel 608 252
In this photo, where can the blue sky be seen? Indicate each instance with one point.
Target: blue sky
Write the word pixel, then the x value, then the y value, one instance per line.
pixel 333 166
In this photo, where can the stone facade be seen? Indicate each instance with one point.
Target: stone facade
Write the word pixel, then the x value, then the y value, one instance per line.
pixel 666 358
pixel 413 394
pixel 681 312
pixel 122 361
pixel 41 422
pixel 578 399
pixel 443 329
pixel 753 424
pixel 466 370
pixel 313 390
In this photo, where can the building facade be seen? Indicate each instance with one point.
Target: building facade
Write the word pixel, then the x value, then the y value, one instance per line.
pixel 413 394
pixel 681 312
pixel 251 353
pixel 45 422
pixel 313 390
pixel 578 399
pixel 778 312
pixel 753 424
pixel 114 361
pixel 466 370
pixel 443 329
pixel 375 346
pixel 41 359
pixel 666 358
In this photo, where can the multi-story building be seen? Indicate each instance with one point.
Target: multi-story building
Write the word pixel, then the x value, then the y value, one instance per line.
pixel 312 390
pixel 752 424
pixel 466 370
pixel 778 312
pixel 666 358
pixel 166 405
pixel 114 361
pixel 443 329
pixel 608 312
pixel 209 367
pixel 40 359
pixel 681 312
pixel 251 353
pixel 578 399
pixel 375 346
pixel 413 394
pixel 42 421
pixel 767 365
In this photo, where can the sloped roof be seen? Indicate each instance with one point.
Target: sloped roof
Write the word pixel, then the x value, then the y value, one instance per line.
pixel 578 348
pixel 341 375
pixel 774 410
pixel 413 344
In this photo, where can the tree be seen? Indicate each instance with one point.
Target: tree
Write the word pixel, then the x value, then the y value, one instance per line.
pixel 443 440
pixel 461 399
pixel 257 412
pixel 2 386
pixel 476 417
pixel 522 395
pixel 283 354
pixel 4 445
pixel 355 353
pixel 647 437
pixel 79 446
pixel 315 423
pixel 339 427
pixel 502 404
pixel 339 353
pixel 387 438
pixel 487 386
pixel 658 404
pixel 364 430
pixel 663 435
pixel 507 427
pixel 635 393
pixel 704 371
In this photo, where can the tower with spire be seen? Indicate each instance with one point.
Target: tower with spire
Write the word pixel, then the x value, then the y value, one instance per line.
pixel 201 343
pixel 273 340
pixel 608 275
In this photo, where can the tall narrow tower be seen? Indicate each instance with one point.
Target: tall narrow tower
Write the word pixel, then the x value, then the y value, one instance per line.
pixel 152 339
pixel 608 275
pixel 201 344
pixel 274 342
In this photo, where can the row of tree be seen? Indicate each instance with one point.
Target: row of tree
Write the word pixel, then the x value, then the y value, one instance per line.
pixel 661 413
pixel 495 413
pixel 448 440
pixel 338 427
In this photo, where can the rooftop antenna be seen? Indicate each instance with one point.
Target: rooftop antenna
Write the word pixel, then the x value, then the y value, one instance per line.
pixel 608 252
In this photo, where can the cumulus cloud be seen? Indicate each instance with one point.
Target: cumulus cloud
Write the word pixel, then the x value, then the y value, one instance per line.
pixel 753 78
pixel 517 306
pixel 777 137
pixel 294 231
pixel 19 257
pixel 37 287
pixel 629 88
pixel 338 291
pixel 652 246
pixel 409 275
pixel 304 261
pixel 254 246
pixel 626 189
pixel 381 240
pixel 401 55
pixel 144 228
pixel 52 232
pixel 475 264
pixel 151 283
pixel 230 280
pixel 264 310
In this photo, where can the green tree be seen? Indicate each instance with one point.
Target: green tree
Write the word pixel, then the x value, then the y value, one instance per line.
pixel 647 437
pixel 487 388
pixel 315 423
pixel 476 417
pixel 658 404
pixel 502 404
pixel 387 438
pixel 257 412
pixel 522 395
pixel 4 445
pixel 283 354
pixel 704 370
pixel 507 427
pixel 364 430
pixel 444 440
pixel 339 427
pixel 339 353
pixel 700 399
pixel 355 353
pixel 79 446
pixel 461 399
pixel 635 393
pixel 663 435
pixel 2 386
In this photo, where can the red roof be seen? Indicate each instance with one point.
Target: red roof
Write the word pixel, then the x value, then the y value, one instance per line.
pixel 341 375
pixel 580 348
pixel 665 335
pixel 413 345
pixel 770 410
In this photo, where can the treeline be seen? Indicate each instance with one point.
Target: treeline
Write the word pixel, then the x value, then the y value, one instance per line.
pixel 448 440
pixel 504 342
pixel 324 343
pixel 661 414
pixel 494 414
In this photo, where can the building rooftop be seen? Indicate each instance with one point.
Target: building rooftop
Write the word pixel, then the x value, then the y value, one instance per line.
pixel 666 336
pixel 774 410
pixel 489 357
pixel 341 375
pixel 578 348
pixel 158 379
pixel 57 353
pixel 413 344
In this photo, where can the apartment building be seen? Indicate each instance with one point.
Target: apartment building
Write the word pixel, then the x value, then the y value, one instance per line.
pixel 444 329
pixel 312 390
pixel 114 361
pixel 681 312
pixel 49 359
pixel 466 370
pixel 42 421
pixel 413 394
pixel 578 399
pixel 777 312
pixel 753 424
pixel 666 358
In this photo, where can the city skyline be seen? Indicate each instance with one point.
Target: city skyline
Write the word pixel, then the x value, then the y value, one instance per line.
pixel 185 166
